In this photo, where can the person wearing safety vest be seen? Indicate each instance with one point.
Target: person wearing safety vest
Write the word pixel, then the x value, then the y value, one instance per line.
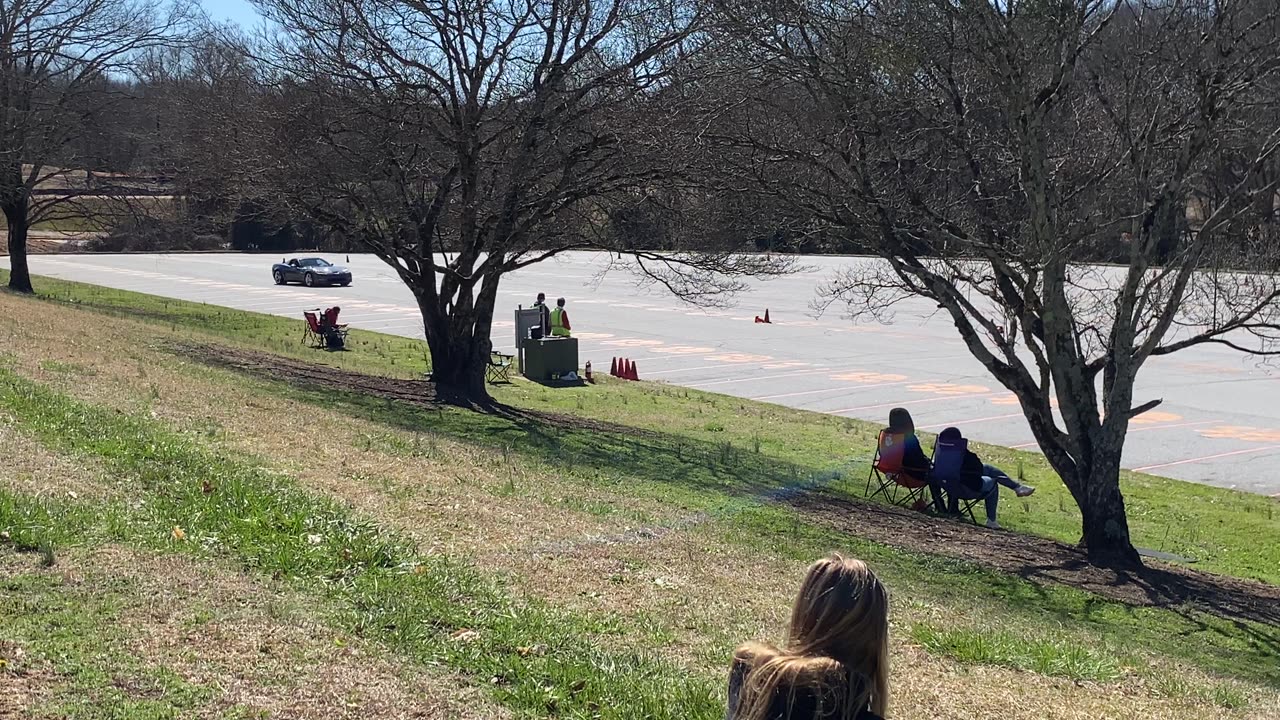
pixel 559 320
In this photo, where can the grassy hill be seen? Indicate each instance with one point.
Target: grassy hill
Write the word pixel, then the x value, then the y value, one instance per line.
pixel 201 517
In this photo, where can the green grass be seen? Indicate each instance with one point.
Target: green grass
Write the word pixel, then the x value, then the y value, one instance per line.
pixel 386 591
pixel 368 351
pixel 1226 531
pixel 682 475
pixel 77 632
pixel 709 454
pixel 1057 657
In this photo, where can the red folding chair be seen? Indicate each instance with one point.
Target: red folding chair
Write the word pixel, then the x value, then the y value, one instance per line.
pixel 891 479
pixel 313 332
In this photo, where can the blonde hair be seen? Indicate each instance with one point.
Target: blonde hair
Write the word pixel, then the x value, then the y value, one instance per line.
pixel 837 647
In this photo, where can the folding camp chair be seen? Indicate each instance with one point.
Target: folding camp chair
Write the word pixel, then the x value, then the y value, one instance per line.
pixel 313 334
pixel 499 368
pixel 948 460
pixel 887 473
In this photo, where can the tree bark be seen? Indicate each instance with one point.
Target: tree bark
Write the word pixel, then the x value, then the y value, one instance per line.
pixel 459 341
pixel 1106 526
pixel 458 366
pixel 1104 519
pixel 16 217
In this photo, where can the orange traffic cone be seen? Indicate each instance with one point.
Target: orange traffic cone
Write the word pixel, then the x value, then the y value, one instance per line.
pixel 625 369
pixel 766 316
pixel 635 372
pixel 613 369
pixel 759 319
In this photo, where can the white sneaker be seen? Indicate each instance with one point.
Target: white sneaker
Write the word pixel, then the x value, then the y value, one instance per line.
pixel 1024 490
pixel 993 525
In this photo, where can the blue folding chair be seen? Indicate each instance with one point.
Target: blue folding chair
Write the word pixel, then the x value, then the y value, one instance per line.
pixel 948 461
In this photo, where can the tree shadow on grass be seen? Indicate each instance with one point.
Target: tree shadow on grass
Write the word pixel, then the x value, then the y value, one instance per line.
pixel 1026 564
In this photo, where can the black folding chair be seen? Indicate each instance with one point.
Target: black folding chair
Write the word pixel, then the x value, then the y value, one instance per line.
pixel 948 459
pixel 499 368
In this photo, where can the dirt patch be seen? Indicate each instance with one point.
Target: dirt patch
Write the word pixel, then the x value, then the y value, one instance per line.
pixel 1033 558
pixel 420 393
pixel 1047 561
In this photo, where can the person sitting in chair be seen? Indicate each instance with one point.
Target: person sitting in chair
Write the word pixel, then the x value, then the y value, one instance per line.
pixel 981 480
pixel 914 461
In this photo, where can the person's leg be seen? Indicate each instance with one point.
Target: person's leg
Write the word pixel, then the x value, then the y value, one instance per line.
pixel 1001 477
pixel 935 490
pixel 992 499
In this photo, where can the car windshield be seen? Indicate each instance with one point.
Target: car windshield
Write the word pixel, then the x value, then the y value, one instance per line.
pixel 313 262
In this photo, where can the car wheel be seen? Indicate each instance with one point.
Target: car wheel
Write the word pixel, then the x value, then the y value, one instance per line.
pixel 278 277
pixel 309 280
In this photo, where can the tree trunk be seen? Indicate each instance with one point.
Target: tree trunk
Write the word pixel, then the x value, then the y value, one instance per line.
pixel 458 367
pixel 19 276
pixel 459 341
pixel 1105 535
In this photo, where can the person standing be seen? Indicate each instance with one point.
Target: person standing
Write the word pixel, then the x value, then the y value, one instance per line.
pixel 544 317
pixel 560 320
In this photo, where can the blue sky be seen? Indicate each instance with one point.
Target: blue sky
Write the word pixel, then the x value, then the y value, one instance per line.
pixel 239 11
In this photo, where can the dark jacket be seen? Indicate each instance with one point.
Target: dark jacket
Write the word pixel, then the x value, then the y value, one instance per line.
pixel 971 472
pixel 914 461
pixel 797 703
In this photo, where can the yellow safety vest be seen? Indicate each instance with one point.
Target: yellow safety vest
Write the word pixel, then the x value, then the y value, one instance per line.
pixel 557 323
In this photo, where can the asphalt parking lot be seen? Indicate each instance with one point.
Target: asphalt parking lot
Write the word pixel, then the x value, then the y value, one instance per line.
pixel 1219 423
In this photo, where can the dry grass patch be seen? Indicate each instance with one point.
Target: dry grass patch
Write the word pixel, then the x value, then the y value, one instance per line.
pixel 451 496
pixel 686 593
pixel 31 469
pixel 243 645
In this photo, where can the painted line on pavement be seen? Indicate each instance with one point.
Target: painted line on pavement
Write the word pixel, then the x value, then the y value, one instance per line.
pixel 911 402
pixel 832 389
pixel 755 378
pixel 971 421
pixel 1248 451
pixel 1135 430
pixel 721 366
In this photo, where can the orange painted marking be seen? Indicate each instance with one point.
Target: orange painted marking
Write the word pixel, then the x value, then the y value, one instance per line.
pixel 1154 417
pixel 1011 399
pixel 863 377
pixel 1250 451
pixel 1242 432
pixel 632 342
pixel 948 389
pixel 683 350
pixel 740 358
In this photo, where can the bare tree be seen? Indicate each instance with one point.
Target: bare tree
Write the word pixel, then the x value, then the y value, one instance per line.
pixel 58 62
pixel 984 148
pixel 465 139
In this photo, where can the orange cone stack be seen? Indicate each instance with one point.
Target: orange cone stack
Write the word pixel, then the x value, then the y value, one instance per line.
pixel 613 369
